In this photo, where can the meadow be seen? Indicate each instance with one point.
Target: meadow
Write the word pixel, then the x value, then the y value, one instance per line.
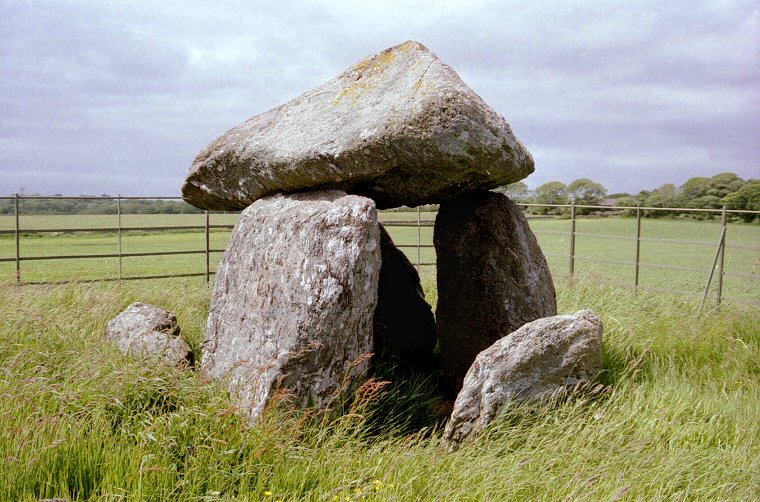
pixel 604 249
pixel 674 415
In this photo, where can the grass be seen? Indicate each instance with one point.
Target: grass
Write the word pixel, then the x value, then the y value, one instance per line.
pixel 88 221
pixel 742 254
pixel 676 416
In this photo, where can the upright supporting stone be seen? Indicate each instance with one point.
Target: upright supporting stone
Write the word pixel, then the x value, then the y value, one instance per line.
pixel 492 278
pixel 404 322
pixel 294 299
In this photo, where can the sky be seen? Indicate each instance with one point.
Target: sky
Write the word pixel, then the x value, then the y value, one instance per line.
pixel 119 97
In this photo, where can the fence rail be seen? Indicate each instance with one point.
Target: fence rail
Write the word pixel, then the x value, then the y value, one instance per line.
pixel 717 272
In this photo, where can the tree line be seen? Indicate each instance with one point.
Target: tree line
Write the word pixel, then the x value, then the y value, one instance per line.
pixel 102 205
pixel 724 189
pixel 701 192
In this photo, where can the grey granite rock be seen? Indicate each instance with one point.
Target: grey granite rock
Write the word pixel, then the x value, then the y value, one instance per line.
pixel 404 324
pixel 146 330
pixel 294 298
pixel 492 278
pixel 399 127
pixel 543 357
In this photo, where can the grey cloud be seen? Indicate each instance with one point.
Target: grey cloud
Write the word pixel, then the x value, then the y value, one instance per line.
pixel 119 97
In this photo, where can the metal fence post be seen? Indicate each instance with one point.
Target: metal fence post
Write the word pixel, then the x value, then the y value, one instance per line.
pixel 208 269
pixel 18 254
pixel 638 245
pixel 712 268
pixel 419 241
pixel 118 217
pixel 572 239
pixel 722 256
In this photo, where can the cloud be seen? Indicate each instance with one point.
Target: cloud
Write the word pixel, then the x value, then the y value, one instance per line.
pixel 119 97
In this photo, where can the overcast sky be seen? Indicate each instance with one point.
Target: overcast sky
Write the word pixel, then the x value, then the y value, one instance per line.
pixel 119 97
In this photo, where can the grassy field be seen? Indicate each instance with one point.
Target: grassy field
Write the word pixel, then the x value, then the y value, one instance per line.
pixel 676 417
pixel 553 236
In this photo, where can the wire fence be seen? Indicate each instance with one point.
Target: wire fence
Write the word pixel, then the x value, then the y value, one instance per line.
pixel 744 253
pixel 120 242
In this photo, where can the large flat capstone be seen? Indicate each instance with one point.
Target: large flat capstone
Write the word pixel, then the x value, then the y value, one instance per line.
pixel 294 298
pixel 399 127
pixel 492 278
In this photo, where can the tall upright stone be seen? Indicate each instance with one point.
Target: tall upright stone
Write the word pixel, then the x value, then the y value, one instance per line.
pixel 294 299
pixel 492 278
pixel 404 322
pixel 399 127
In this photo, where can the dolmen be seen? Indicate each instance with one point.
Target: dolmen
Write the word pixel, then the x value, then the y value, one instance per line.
pixel 311 284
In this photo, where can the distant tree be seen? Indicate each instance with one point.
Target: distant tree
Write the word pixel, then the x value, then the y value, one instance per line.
pixel 747 197
pixel 618 195
pixel 723 184
pixel 518 191
pixel 586 192
pixel 665 196
pixel 668 190
pixel 706 202
pixel 657 199
pixel 627 201
pixel 695 187
pixel 553 192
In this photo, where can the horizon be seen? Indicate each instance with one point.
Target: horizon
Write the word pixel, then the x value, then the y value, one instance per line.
pixel 531 189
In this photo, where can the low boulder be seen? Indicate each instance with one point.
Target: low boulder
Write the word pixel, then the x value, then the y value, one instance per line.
pixel 146 331
pixel 399 127
pixel 404 325
pixel 294 298
pixel 543 357
pixel 492 278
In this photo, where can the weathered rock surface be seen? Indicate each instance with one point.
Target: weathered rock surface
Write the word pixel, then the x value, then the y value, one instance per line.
pixel 146 330
pixel 404 324
pixel 399 127
pixel 294 298
pixel 539 359
pixel 492 278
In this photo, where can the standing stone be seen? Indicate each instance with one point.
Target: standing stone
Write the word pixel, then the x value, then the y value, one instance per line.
pixel 294 298
pixel 541 358
pixel 399 127
pixel 492 278
pixel 404 323
pixel 146 330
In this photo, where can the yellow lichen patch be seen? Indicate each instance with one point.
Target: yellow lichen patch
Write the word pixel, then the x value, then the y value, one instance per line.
pixel 369 68
pixel 385 58
pixel 353 91
pixel 364 64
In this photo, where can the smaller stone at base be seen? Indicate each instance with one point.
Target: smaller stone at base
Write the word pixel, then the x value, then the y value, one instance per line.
pixel 146 330
pixel 541 358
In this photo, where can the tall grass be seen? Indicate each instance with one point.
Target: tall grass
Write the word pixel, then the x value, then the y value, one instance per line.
pixel 677 415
